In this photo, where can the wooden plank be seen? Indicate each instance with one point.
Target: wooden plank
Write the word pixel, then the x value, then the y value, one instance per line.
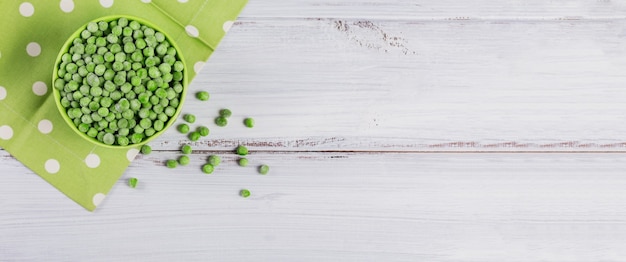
pixel 437 9
pixel 416 86
pixel 330 207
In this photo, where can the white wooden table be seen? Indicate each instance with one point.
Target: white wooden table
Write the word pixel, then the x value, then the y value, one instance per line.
pixel 405 130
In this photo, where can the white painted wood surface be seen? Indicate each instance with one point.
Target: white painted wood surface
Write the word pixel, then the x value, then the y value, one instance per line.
pixel 356 104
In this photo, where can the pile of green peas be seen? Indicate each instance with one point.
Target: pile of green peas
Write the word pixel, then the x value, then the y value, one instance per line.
pixel 120 81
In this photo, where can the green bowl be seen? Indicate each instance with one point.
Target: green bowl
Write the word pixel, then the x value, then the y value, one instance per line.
pixel 65 49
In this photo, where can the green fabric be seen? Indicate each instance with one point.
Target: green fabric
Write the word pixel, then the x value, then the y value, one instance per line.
pixel 31 128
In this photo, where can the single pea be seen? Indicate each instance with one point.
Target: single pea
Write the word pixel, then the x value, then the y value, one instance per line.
pixel 149 132
pixel 183 160
pixel 203 130
pixel 159 36
pixel 132 182
pixel 245 193
pixel 171 163
pixel 183 128
pixel 207 169
pixel 221 121
pixel 109 139
pixel 92 27
pixel 243 162
pixel 170 111
pixel 214 160
pixel 178 66
pixel 194 136
pixel 158 125
pixel 263 169
pixel 241 150
pixel 186 149
pixel 122 140
pixel 248 122
pixel 189 118
pixel 83 127
pixel 136 138
pixel 202 95
pixel 225 113
pixel 146 149
pixel 92 132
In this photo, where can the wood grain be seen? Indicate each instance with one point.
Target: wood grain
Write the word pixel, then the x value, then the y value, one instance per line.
pixel 330 207
pixel 350 85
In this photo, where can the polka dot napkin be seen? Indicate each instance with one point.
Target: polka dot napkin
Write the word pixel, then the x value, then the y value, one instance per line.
pixel 31 128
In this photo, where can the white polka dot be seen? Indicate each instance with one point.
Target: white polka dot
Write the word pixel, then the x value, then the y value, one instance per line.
pixel 67 5
pixel 106 3
pixel 226 26
pixel 40 88
pixel 98 198
pixel 192 31
pixel 198 66
pixel 146 1
pixel 27 9
pixel 33 49
pixel 6 132
pixel 52 166
pixel 3 93
pixel 92 160
pixel 45 126
pixel 182 1
pixel 131 154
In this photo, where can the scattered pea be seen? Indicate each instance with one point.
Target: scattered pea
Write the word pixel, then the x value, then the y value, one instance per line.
pixel 132 182
pixel 171 163
pixel 248 122
pixel 226 113
pixel 243 162
pixel 207 169
pixel 183 128
pixel 183 160
pixel 203 131
pixel 189 118
pixel 146 149
pixel 221 121
pixel 202 95
pixel 194 136
pixel 242 150
pixel 214 160
pixel 186 149
pixel 263 169
pixel 245 193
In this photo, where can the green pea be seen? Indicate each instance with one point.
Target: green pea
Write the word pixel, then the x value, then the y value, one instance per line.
pixel 241 150
pixel 171 163
pixel 245 193
pixel 189 118
pixel 149 132
pixel 109 139
pixel 248 122
pixel 186 149
pixel 170 111
pixel 194 136
pixel 178 66
pixel 145 123
pixel 203 130
pixel 103 25
pixel 92 27
pixel 159 36
pixel 136 138
pixel 214 160
pixel 207 169
pixel 183 160
pixel 92 132
pixel 225 113
pixel 264 169
pixel 202 95
pixel 221 121
pixel 243 162
pixel 132 182
pixel 122 140
pixel 183 128
pixel 158 125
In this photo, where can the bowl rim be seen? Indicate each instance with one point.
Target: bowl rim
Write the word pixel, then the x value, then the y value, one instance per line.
pixel 65 48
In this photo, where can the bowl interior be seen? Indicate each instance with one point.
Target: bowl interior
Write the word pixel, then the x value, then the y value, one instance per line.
pixel 65 49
